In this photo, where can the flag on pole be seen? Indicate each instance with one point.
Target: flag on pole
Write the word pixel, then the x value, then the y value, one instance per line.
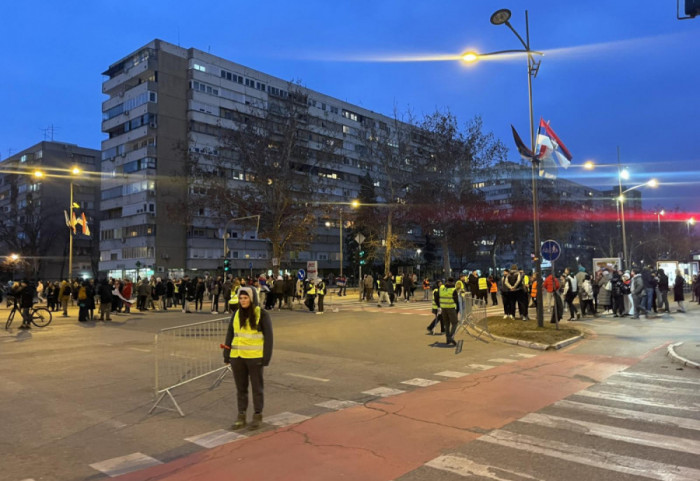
pixel 525 153
pixel 86 229
pixel 552 151
pixel 70 221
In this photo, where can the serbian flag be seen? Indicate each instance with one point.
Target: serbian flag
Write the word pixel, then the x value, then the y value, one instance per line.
pixel 86 229
pixel 525 153
pixel 551 150
pixel 70 221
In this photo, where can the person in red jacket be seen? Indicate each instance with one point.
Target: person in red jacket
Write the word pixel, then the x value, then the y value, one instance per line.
pixel 551 284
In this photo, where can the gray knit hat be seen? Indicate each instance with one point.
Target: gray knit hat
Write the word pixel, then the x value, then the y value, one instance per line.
pixel 248 291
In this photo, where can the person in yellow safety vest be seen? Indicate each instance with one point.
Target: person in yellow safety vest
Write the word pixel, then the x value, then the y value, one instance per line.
pixel 398 285
pixel 483 289
pixel 448 300
pixel 436 311
pixel 310 296
pixel 320 294
pixel 233 301
pixel 248 348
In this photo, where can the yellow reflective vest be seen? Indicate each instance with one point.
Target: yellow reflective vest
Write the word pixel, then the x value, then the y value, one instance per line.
pixel 446 299
pixel 482 284
pixel 247 342
pixel 311 291
pixel 234 295
pixel 435 306
pixel 459 285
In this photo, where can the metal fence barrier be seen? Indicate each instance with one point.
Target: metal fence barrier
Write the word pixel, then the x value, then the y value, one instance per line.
pixel 187 353
pixel 473 316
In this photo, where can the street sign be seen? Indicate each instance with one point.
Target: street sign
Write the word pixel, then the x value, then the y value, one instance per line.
pixel 301 274
pixel 550 250
pixel 312 269
pixel 275 261
pixel 359 238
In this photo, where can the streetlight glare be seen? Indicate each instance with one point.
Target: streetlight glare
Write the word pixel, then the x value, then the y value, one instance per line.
pixel 470 57
pixel 355 203
pixel 589 165
pixel 691 221
pixel 625 174
pixel 14 257
pixel 75 171
pixel 38 174
pixel 653 183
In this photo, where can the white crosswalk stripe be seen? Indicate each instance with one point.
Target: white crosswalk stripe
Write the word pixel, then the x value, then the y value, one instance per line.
pixel 653 434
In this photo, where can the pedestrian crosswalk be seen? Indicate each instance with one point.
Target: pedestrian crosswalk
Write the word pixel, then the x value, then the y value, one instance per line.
pixel 632 426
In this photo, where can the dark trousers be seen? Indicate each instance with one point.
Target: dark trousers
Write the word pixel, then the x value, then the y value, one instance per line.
pixel 310 300
pixel 320 302
pixel 522 300
pixel 83 315
pixel 618 304
pixel 438 318
pixel 243 371
pixel 449 317
pixel 509 302
pixel 494 298
pixel 215 303
pixel 570 302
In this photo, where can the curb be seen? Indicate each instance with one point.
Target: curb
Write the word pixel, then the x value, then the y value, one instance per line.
pixel 538 346
pixel 671 351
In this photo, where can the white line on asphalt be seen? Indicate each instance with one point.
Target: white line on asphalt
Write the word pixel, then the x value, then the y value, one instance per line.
pixel 125 464
pixel 592 457
pixel 337 405
pixel 383 392
pixel 642 385
pixel 466 467
pixel 658 377
pixel 308 377
pixel 215 438
pixel 635 400
pixel 524 354
pixel 685 423
pixel 480 367
pixel 502 360
pixel 451 374
pixel 632 436
pixel 138 349
pixel 420 382
pixel 285 419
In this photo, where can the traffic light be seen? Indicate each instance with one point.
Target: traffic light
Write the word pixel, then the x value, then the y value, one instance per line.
pixel 363 261
pixel 227 265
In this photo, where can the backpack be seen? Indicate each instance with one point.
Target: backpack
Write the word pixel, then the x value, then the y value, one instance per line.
pixel 67 290
pixel 82 294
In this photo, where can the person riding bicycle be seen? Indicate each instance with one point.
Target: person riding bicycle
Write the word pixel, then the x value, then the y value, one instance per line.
pixel 26 302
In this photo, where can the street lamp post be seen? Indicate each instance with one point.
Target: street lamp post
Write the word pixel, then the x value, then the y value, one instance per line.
pixel 650 183
pixel 225 233
pixel 501 17
pixel 71 232
pixel 658 218
pixel 690 222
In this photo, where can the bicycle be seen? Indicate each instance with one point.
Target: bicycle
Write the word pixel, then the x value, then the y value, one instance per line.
pixel 41 316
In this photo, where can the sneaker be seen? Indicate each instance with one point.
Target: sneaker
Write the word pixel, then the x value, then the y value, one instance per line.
pixel 257 421
pixel 319 313
pixel 430 332
pixel 505 317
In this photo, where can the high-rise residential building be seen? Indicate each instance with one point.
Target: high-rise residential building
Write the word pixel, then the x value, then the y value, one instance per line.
pixel 36 185
pixel 168 105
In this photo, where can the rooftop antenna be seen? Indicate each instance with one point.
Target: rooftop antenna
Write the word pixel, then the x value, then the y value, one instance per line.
pixel 48 132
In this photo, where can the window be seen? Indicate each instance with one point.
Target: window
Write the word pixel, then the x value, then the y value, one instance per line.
pixel 334 110
pixel 351 115
pixel 201 68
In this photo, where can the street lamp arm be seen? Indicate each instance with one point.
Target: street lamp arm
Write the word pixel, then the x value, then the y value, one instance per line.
pixel 501 52
pixel 518 35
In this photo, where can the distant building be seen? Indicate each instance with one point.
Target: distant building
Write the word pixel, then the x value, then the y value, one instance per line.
pixel 33 210
pixel 166 102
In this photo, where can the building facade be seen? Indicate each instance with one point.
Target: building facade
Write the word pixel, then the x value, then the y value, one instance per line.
pixel 168 105
pixel 34 211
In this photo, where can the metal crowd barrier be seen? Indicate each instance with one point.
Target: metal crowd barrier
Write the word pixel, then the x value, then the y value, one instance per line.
pixel 473 316
pixel 187 353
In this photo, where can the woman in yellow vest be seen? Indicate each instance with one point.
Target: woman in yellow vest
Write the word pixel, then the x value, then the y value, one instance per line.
pixel 248 349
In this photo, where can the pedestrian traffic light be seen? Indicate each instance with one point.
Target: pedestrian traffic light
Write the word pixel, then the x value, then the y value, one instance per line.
pixel 227 265
pixel 362 258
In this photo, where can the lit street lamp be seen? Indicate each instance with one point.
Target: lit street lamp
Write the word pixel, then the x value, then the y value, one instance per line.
pixel 658 218
pixel 502 17
pixel 653 183
pixel 690 222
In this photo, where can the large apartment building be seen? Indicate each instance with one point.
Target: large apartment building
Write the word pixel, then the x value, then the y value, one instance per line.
pixel 34 234
pixel 168 105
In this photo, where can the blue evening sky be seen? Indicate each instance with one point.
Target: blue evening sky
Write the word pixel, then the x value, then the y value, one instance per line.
pixel 616 73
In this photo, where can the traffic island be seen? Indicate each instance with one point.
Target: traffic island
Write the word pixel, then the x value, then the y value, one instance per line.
pixel 528 334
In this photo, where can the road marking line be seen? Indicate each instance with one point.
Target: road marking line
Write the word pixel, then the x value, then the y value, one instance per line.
pixel 337 405
pixel 524 354
pixel 635 400
pixel 451 374
pixel 659 377
pixel 125 464
pixel 480 367
pixel 592 457
pixel 285 419
pixel 642 385
pixel 502 360
pixel 308 377
pixel 138 349
pixel 642 438
pixel 215 438
pixel 466 467
pixel 685 423
pixel 383 392
pixel 420 382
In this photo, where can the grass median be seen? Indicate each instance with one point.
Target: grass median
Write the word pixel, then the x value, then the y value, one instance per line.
pixel 528 330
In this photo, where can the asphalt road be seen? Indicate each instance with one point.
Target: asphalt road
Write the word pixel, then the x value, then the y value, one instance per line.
pixel 78 395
